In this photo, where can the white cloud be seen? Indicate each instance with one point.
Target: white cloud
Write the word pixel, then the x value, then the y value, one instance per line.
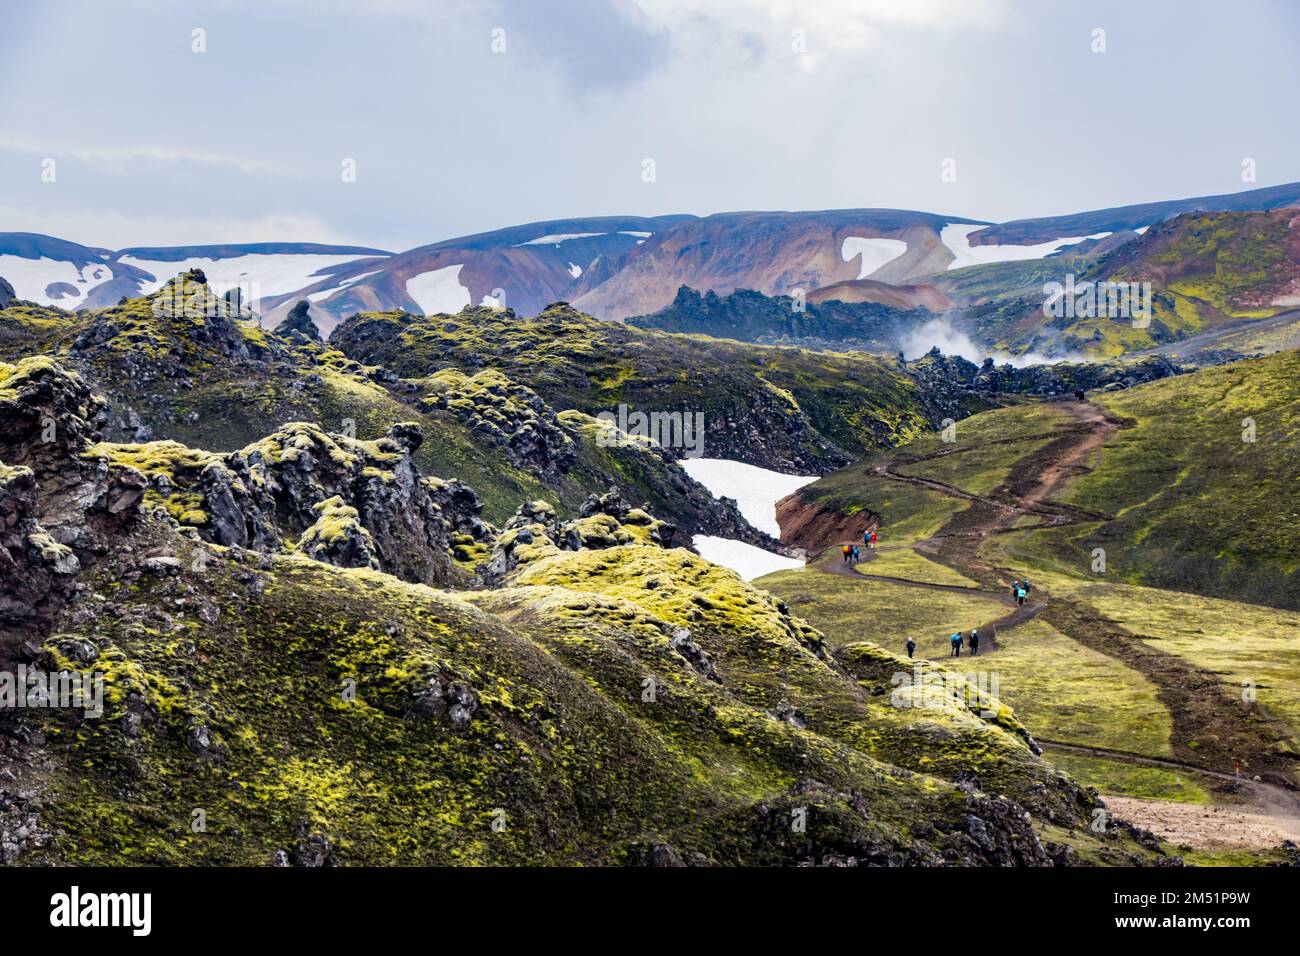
pixel 115 230
pixel 129 153
pixel 836 24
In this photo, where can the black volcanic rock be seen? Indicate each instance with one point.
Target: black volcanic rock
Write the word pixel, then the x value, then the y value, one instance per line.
pixel 749 316
pixel 298 323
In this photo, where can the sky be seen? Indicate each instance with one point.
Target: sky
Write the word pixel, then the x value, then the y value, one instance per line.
pixel 239 120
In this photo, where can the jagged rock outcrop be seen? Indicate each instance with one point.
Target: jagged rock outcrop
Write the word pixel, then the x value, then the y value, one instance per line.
pixel 749 316
pixel 171 333
pixel 338 537
pixel 298 325
pixel 57 508
pixel 462 516
pixel 266 496
pixel 948 379
pixel 605 521
pixel 507 416
pixel 7 295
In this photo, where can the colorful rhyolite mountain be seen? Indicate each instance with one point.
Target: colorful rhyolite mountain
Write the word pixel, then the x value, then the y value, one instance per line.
pixel 611 267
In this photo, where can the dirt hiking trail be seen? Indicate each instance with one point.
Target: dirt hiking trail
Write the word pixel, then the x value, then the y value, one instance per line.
pixel 1212 731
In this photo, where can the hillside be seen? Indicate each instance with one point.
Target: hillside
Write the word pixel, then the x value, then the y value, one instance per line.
pixel 1163 571
pixel 606 700
pixel 787 409
pixel 1210 274
pixel 177 367
pixel 616 266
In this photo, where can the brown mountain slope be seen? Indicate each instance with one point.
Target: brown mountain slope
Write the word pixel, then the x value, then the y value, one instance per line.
pixel 903 297
pixel 773 253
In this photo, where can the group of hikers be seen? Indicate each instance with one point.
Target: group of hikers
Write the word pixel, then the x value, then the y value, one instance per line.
pixel 956 641
pixel 852 553
pixel 1020 589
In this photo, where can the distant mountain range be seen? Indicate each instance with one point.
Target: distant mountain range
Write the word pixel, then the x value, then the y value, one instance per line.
pixel 612 267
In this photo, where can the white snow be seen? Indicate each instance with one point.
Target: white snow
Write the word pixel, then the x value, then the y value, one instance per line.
pixel 875 252
pixel 438 290
pixel 745 559
pixel 956 236
pixel 756 490
pixel 554 239
pixel 574 270
pixel 269 274
pixel 29 277
pixel 632 232
pixel 1141 230
pixel 326 293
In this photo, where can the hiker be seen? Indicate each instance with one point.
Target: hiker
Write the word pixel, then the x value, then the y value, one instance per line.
pixel 1026 585
pixel 911 646
pixel 974 642
pixel 873 540
pixel 857 554
pixel 866 538
pixel 1020 595
pixel 1079 395
pixel 955 641
pixel 847 550
pixel 1015 587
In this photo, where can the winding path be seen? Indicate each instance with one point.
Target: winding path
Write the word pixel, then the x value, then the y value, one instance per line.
pixel 1211 730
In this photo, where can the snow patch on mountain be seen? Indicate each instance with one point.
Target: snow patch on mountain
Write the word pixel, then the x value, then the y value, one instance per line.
pixel 268 273
pixel 755 490
pixel 31 277
pixel 575 270
pixel 956 236
pixel 875 252
pixel 439 290
pixel 555 238
pixel 747 560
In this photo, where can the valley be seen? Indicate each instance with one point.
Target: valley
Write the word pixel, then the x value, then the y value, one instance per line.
pixel 1127 694
pixel 484 593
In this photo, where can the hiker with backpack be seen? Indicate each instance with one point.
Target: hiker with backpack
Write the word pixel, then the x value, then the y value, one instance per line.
pixel 847 551
pixel 955 641
pixel 974 642
pixel 1020 595
pixel 857 555
pixel 872 543
pixel 911 647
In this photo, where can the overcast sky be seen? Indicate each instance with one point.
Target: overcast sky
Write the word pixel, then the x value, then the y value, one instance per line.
pixel 157 144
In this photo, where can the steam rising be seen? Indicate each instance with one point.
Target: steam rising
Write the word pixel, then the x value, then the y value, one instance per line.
pixel 951 341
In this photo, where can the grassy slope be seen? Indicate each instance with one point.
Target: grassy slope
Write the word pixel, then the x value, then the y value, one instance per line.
pixel 977 461
pixel 1205 269
pixel 849 609
pixel 855 401
pixel 1195 507
pixel 563 747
